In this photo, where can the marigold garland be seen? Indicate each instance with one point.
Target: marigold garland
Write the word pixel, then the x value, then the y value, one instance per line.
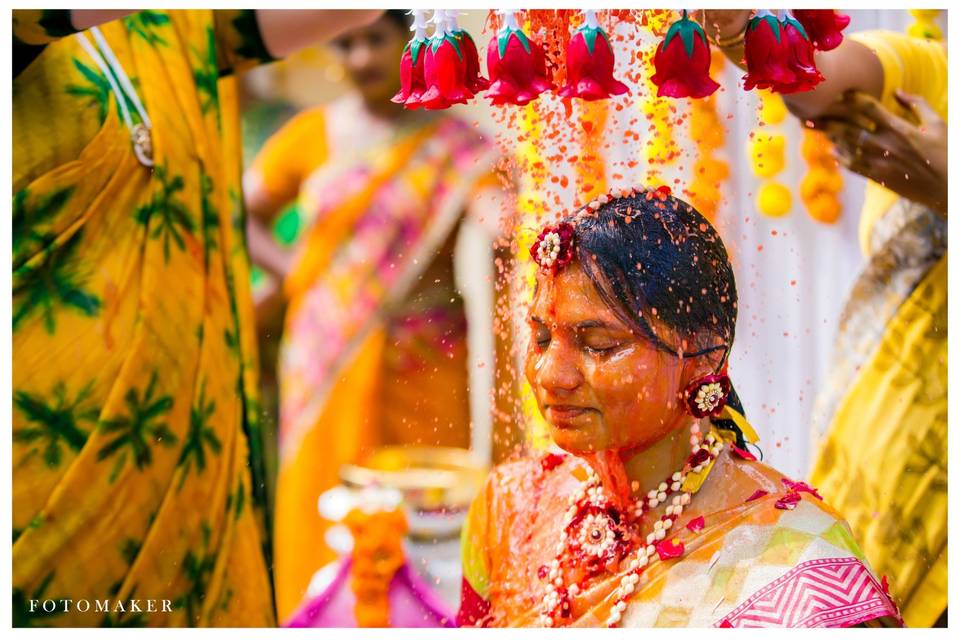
pixel 767 153
pixel 820 187
pixel 707 132
pixel 376 557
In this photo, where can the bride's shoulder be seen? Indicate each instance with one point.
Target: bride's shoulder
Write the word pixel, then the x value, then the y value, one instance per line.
pixel 527 473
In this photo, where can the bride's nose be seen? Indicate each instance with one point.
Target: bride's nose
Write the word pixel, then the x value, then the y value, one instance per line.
pixel 558 370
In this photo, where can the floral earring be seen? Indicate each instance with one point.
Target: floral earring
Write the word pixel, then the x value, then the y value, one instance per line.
pixel 707 396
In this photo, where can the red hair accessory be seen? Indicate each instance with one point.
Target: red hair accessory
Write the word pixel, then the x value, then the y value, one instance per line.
pixel 553 249
pixel 708 395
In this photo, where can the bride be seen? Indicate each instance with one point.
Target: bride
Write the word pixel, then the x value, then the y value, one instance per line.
pixel 658 514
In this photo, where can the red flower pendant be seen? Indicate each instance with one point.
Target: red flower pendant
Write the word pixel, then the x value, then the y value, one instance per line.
pixel 765 52
pixel 682 62
pixel 800 58
pixel 824 26
pixel 473 80
pixel 412 84
pixel 518 72
pixel 590 64
pixel 444 73
pixel 779 55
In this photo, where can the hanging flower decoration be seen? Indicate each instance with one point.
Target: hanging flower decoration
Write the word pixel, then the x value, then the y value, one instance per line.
pixel 590 63
pixel 553 249
pixel 472 78
pixel 682 62
pixel 779 55
pixel 765 53
pixel 516 65
pixel 767 152
pixel 445 68
pixel 800 57
pixel 823 26
pixel 820 187
pixel 412 84
pixel 707 133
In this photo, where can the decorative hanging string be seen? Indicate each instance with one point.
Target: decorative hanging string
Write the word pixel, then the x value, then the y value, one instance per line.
pixel 767 153
pixel 708 134
pixel 820 187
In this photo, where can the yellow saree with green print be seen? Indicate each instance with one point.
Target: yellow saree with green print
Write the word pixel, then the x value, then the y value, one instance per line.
pixel 137 496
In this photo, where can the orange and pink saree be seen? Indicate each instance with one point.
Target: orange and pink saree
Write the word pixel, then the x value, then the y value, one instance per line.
pixel 759 551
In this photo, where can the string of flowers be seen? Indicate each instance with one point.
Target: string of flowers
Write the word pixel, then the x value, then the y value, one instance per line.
pixel 767 153
pixel 820 187
pixel 660 147
pixel 708 134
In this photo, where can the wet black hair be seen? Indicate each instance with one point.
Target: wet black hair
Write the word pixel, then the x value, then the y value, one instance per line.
pixel 659 264
pixel 400 18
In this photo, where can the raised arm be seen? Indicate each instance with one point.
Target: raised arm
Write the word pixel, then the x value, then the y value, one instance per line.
pixel 850 67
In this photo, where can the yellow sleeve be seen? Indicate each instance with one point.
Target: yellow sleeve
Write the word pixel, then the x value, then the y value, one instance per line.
pixel 915 65
pixel 291 154
pixel 239 43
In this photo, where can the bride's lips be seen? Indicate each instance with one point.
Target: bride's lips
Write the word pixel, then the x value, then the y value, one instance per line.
pixel 564 413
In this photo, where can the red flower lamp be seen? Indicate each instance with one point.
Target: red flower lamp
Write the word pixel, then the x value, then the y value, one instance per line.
pixel 445 68
pixel 412 84
pixel 590 63
pixel 800 57
pixel 473 80
pixel 516 65
pixel 824 26
pixel 779 55
pixel 682 62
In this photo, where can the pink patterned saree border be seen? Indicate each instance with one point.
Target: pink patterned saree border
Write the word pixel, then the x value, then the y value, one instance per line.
pixel 826 592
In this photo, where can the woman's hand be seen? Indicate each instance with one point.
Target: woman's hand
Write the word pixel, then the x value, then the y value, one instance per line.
pixel 908 158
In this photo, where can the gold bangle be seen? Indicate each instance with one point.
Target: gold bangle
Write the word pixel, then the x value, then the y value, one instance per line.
pixel 732 41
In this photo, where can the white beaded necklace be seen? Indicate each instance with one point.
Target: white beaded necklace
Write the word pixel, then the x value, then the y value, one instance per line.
pixel 595 541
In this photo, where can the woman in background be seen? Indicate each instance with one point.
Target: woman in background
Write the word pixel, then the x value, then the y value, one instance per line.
pixel 882 458
pixel 374 337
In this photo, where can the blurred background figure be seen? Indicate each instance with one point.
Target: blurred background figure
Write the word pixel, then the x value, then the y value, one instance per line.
pixel 881 418
pixel 374 333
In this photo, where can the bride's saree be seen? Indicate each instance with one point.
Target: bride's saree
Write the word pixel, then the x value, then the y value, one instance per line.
pixel 779 557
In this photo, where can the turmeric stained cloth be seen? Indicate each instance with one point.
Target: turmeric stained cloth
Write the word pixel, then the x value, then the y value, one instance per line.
pixel 758 558
pixel 372 352
pixel 136 470
pixel 882 460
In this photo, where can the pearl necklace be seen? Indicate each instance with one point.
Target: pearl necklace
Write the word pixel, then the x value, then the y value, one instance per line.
pixel 600 535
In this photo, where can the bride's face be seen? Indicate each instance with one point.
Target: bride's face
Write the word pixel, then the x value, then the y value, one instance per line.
pixel 599 384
